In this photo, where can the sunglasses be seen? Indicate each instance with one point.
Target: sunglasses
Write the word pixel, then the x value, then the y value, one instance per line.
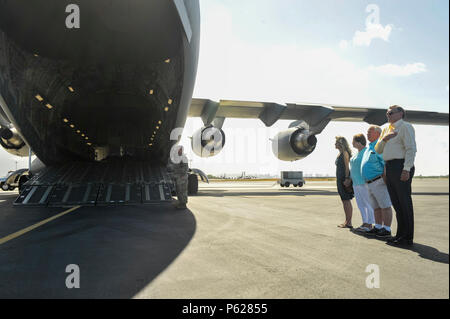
pixel 392 112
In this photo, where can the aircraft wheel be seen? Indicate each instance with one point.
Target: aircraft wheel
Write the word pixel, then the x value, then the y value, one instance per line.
pixel 22 181
pixel 5 187
pixel 192 184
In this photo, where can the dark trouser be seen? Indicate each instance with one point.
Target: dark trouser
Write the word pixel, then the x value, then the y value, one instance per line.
pixel 400 193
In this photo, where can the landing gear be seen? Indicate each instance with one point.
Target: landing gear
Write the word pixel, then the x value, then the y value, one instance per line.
pixel 192 184
pixel 23 179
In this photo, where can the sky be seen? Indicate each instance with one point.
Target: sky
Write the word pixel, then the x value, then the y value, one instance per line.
pixel 326 51
pixel 358 53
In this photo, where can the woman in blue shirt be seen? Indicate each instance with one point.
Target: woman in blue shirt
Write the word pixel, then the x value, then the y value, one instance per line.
pixel 359 184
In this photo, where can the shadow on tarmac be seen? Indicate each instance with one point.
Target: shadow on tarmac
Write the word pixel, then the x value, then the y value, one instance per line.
pixel 9 196
pixel 427 252
pixel 424 251
pixel 119 250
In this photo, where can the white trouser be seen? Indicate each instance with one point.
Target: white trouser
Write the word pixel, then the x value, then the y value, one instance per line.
pixel 363 202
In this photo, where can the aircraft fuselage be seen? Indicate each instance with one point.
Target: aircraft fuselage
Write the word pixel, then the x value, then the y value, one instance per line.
pixel 115 84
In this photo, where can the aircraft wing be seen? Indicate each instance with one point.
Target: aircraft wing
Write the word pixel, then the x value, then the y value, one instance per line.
pixel 316 115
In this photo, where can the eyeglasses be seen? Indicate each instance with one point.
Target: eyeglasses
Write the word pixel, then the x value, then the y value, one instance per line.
pixel 392 112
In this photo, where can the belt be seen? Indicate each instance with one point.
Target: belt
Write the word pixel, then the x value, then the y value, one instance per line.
pixel 375 179
pixel 396 160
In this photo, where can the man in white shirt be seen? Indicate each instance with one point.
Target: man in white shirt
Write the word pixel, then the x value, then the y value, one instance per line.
pixel 398 146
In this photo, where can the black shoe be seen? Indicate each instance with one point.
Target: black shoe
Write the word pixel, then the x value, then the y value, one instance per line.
pixel 393 239
pixel 401 242
pixel 383 233
pixel 406 242
pixel 373 232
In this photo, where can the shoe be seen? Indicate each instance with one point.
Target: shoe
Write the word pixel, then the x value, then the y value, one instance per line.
pixel 362 229
pixel 373 232
pixel 393 239
pixel 383 233
pixel 345 226
pixel 401 242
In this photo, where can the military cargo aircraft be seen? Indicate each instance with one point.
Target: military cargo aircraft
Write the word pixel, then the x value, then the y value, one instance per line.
pixel 100 91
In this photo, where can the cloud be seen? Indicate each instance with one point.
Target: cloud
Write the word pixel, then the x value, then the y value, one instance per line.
pixel 399 70
pixel 373 31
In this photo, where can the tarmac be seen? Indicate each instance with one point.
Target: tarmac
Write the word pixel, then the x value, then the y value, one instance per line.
pixel 236 240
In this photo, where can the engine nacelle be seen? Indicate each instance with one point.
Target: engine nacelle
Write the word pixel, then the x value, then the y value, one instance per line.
pixel 13 143
pixel 208 141
pixel 294 144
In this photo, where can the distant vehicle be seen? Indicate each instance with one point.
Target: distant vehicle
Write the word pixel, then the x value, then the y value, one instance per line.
pixel 14 179
pixel 2 182
pixel 292 178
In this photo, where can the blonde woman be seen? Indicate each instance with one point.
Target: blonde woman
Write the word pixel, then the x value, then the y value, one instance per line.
pixel 343 179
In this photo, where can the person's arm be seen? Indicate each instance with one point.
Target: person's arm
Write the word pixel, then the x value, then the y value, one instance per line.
pixel 385 137
pixel 347 168
pixel 408 137
pixel 347 164
pixel 350 164
pixel 379 148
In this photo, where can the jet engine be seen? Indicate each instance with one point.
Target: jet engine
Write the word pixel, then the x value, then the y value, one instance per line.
pixel 294 144
pixel 13 143
pixel 208 141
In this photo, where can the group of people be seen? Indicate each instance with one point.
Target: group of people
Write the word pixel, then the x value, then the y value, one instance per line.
pixel 379 176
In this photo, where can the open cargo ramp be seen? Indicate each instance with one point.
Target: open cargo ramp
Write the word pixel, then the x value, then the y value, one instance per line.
pixel 98 184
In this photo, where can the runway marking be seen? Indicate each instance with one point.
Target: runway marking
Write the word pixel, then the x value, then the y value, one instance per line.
pixel 32 227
